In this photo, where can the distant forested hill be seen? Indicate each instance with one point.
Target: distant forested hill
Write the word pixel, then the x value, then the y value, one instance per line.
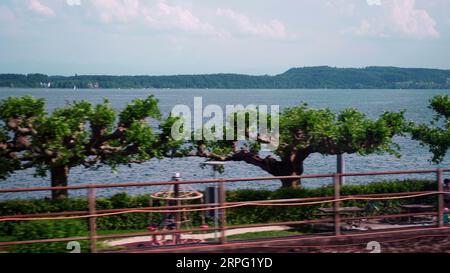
pixel 306 77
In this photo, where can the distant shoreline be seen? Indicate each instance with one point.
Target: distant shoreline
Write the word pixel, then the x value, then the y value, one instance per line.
pixel 213 89
pixel 322 77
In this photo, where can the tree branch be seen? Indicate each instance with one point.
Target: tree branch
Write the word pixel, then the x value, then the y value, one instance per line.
pixel 267 163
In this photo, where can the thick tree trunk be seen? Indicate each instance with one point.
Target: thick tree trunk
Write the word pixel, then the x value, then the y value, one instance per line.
pixel 59 178
pixel 291 183
pixel 289 169
pixel 290 165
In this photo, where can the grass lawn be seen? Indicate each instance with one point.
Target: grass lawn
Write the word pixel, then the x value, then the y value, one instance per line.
pixel 120 231
pixel 264 234
pixel 101 245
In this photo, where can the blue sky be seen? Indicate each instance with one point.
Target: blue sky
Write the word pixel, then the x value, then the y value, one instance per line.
pixel 130 37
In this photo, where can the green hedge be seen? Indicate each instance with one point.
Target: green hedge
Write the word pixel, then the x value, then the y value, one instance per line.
pixel 34 230
pixel 260 214
pixel 240 215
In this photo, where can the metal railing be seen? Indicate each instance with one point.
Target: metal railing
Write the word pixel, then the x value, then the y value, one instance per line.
pixel 92 213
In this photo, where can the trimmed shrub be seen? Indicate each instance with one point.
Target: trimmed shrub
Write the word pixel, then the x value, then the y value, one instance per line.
pixel 33 230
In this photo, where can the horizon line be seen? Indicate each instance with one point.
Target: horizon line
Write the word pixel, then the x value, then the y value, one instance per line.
pixel 224 73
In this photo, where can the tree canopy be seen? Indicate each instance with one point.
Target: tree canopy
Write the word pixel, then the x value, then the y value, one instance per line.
pixel 437 134
pixel 79 134
pixel 304 131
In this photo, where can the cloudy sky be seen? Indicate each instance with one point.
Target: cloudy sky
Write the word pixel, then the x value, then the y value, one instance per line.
pixel 158 37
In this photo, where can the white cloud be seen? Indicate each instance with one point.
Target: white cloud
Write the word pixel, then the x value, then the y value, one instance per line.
pixel 73 2
pixel 156 14
pixel 413 21
pixel 164 15
pixel 39 8
pixel 400 17
pixel 370 28
pixel 272 29
pixel 117 10
pixel 374 2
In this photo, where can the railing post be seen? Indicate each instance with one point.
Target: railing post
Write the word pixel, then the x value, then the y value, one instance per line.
pixel 341 167
pixel 92 221
pixel 336 204
pixel 222 213
pixel 176 193
pixel 439 175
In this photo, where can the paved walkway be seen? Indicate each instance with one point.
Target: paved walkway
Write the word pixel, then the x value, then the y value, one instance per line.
pixel 204 236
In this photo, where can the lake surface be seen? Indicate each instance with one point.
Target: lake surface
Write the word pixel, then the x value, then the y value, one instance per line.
pixel 372 102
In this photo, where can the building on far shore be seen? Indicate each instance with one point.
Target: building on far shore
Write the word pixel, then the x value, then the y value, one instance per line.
pixel 45 84
pixel 93 85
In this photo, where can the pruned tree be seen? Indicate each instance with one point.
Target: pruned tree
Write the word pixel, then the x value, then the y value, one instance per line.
pixel 79 134
pixel 304 131
pixel 436 135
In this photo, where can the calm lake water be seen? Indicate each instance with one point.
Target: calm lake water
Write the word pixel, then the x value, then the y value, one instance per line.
pixel 372 102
